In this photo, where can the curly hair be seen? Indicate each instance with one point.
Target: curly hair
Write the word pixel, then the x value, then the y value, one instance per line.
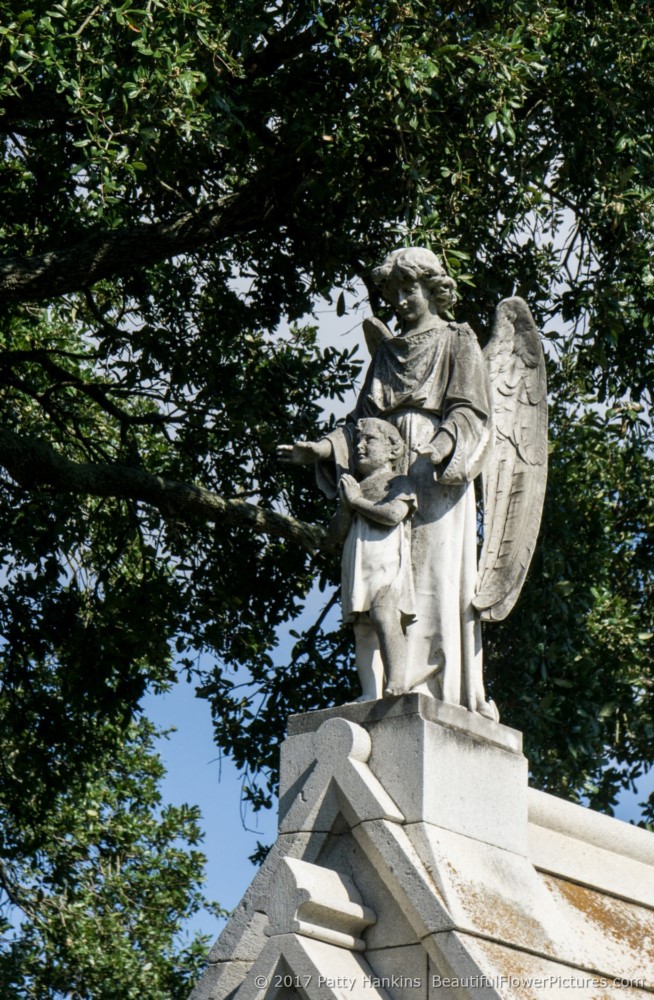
pixel 416 264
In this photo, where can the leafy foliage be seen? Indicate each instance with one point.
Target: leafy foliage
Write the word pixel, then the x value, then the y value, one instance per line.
pixel 581 688
pixel 94 894
pixel 178 179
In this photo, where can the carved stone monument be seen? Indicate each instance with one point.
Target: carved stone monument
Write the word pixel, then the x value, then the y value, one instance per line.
pixel 413 862
pixel 461 416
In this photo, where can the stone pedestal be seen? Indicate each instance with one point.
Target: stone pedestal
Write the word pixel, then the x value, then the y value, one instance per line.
pixel 407 867
pixel 439 763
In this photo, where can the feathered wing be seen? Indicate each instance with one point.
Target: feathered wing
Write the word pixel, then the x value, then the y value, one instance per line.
pixel 516 474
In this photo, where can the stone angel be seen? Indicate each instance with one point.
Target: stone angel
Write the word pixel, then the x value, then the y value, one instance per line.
pixel 464 417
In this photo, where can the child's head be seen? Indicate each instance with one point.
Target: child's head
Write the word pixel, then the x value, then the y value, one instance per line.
pixel 378 445
pixel 416 264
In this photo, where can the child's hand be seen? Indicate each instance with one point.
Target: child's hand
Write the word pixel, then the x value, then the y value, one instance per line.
pixel 348 488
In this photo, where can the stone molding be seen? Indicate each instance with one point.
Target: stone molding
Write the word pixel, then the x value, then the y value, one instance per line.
pixel 385 878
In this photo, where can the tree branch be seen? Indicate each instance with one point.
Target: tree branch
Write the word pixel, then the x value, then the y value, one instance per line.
pixel 34 463
pixel 282 47
pixel 15 893
pixel 105 254
pixel 100 393
pixel 39 104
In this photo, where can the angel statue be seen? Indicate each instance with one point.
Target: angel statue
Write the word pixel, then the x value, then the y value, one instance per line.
pixel 464 417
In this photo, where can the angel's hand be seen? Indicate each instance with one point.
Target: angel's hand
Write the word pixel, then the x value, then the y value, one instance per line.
pixel 348 488
pixel 439 449
pixel 303 452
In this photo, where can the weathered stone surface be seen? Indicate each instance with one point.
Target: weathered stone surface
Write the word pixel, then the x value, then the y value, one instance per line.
pixel 432 777
pixel 221 979
pixel 459 899
pixel 609 934
pixel 244 934
pixel 593 828
pixel 366 714
pixel 315 969
pixel 454 972
pixel 590 865
pixel 429 755
pixel 343 853
pixel 297 761
pixel 341 780
pixel 319 903
pixel 518 975
pixel 492 892
pixel 402 971
pixel 409 881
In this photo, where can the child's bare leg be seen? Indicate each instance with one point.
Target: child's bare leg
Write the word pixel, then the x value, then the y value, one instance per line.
pixel 392 642
pixel 368 660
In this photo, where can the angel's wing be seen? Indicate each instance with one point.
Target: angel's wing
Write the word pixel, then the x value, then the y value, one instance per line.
pixel 375 331
pixel 514 478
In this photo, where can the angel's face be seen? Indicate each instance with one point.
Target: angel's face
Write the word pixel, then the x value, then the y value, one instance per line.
pixel 412 301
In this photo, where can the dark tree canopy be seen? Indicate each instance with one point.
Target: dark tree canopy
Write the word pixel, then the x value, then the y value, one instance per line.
pixel 178 179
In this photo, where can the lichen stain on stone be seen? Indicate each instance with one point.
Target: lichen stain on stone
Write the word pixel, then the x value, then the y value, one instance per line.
pixel 630 926
pixel 436 881
pixel 495 915
pixel 520 969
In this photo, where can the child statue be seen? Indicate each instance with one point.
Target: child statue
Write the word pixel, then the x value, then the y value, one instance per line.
pixel 376 580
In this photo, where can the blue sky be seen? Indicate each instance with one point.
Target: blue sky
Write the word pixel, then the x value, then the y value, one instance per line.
pixel 197 775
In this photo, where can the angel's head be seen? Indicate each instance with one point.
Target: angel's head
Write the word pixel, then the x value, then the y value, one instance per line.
pixel 413 279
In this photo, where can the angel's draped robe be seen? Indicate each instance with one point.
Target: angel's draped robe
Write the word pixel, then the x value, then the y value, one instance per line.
pixel 426 384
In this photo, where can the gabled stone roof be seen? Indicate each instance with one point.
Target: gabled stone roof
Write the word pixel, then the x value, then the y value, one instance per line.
pixel 414 863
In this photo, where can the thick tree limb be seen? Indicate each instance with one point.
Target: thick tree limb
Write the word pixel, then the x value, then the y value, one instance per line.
pixel 38 105
pixel 105 254
pixel 34 463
